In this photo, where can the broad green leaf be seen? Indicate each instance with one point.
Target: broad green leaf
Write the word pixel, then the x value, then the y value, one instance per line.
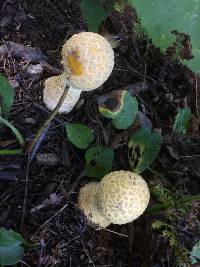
pixel 182 120
pixel 6 96
pixel 195 253
pixel 98 161
pixel 120 106
pixel 11 249
pixel 161 18
pixel 18 135
pixel 79 135
pixel 144 147
pixel 94 13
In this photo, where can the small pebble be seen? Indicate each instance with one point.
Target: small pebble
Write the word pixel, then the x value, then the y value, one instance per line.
pixel 14 83
pixel 47 158
pixel 34 70
pixel 30 121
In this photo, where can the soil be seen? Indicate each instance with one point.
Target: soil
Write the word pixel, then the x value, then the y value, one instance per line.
pixel 41 203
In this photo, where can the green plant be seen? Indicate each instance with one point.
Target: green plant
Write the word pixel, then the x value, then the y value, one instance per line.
pixel 145 144
pixel 98 161
pixel 143 149
pixel 169 199
pixel 164 20
pixel 169 232
pixel 79 135
pixel 6 96
pixel 123 111
pixel 182 120
pixel 95 12
pixel 11 247
pixel 195 253
pixel 173 206
pixel 6 101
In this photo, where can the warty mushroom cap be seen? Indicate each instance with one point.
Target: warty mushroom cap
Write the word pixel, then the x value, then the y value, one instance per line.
pixel 53 90
pixel 88 60
pixel 119 198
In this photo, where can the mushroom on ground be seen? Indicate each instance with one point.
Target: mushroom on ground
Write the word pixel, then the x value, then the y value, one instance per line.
pixel 53 90
pixel 119 198
pixel 88 60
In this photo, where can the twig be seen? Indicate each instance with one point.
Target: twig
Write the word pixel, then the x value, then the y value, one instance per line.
pixel 8 176
pixel 51 218
pixel 39 141
pixel 116 233
pixel 82 174
pixel 48 120
pixel 25 194
pixel 196 96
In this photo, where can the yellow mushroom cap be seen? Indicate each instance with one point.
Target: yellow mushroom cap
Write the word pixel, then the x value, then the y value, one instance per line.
pixel 119 198
pixel 88 60
pixel 53 90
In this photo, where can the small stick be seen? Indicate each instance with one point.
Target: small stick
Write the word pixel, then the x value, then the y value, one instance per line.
pixel 25 195
pixel 51 218
pixel 196 95
pixel 48 120
pixel 116 233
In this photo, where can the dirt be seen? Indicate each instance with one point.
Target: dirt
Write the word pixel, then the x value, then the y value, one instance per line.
pixel 58 227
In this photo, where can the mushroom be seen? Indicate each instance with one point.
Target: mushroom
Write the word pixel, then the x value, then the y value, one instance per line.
pixel 53 90
pixel 119 198
pixel 88 60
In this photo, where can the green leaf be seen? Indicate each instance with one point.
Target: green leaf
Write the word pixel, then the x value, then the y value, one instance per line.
pixel 161 18
pixel 11 250
pixel 94 13
pixel 18 135
pixel 144 147
pixel 195 253
pixel 119 106
pixel 79 135
pixel 98 161
pixel 6 96
pixel 182 119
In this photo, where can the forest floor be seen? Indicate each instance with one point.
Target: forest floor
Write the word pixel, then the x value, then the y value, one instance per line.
pixel 50 217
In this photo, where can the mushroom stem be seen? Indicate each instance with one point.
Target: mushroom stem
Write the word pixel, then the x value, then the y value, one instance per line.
pixel 48 120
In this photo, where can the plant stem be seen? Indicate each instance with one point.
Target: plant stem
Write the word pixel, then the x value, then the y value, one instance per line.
pixel 48 120
pixel 8 152
pixel 14 130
